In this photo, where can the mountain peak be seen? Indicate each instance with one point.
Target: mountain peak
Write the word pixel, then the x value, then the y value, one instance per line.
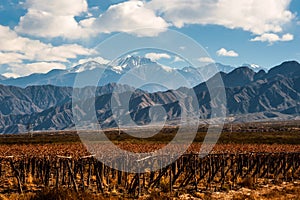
pixel 239 77
pixel 130 62
pixel 134 61
pixel 244 69
pixel 294 62
pixel 90 65
pixel 254 67
pixel 286 68
pixel 189 69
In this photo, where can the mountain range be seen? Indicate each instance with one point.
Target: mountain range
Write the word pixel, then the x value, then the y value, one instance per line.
pixel 251 96
pixel 2 78
pixel 114 72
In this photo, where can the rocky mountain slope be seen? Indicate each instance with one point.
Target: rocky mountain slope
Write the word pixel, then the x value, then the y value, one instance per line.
pixel 250 96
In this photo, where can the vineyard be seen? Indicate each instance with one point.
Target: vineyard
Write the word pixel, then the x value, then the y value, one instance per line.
pixel 70 166
pixel 61 161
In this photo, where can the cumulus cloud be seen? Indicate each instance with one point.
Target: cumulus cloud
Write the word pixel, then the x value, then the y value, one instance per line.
pixel 16 50
pixel 55 19
pixel 35 50
pixel 157 56
pixel 130 17
pixel 59 7
pixel 287 37
pixel 206 60
pixel 43 24
pixel 6 58
pixel 272 37
pixel 227 53
pixel 255 16
pixel 149 18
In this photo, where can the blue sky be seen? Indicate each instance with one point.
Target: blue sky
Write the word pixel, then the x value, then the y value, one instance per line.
pixel 39 35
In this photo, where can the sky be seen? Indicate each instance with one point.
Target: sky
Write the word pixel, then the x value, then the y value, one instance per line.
pixel 37 36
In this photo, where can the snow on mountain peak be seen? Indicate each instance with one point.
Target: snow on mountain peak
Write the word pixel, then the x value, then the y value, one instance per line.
pixel 134 61
pixel 91 65
pixel 189 69
pixel 130 62
pixel 167 68
pixel 255 67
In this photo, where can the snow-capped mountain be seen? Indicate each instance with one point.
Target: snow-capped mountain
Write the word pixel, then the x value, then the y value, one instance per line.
pixel 210 70
pixel 131 70
pixel 57 77
pixel 88 66
pixel 123 65
pixel 143 73
pixel 251 96
pixel 255 67
pixel 191 74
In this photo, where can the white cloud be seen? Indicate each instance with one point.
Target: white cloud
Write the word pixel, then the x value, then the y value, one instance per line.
pixel 38 67
pixel 43 24
pixel 149 18
pixel 206 60
pixel 130 17
pixel 267 37
pixel 287 37
pixel 255 16
pixel 59 7
pixel 55 19
pixel 16 50
pixel 272 37
pixel 34 50
pixel 157 56
pixel 6 58
pixel 99 60
pixel 227 53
